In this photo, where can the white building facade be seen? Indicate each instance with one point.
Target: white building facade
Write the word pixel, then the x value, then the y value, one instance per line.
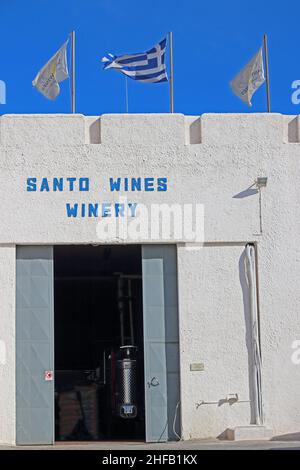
pixel 67 180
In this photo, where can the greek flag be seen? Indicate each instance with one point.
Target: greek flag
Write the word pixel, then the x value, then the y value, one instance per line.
pixel 148 67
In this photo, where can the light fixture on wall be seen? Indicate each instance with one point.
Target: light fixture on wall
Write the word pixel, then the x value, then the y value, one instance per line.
pixel 261 182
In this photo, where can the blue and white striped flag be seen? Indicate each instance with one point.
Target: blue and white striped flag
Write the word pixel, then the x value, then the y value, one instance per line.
pixel 149 66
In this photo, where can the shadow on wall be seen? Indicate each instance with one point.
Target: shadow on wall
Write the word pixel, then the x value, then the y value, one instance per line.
pixel 287 437
pixel 293 131
pixel 223 436
pixel 95 132
pixel 247 316
pixel 195 132
pixel 246 193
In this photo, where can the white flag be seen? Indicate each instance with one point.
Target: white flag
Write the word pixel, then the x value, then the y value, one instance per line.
pixel 55 71
pixel 245 84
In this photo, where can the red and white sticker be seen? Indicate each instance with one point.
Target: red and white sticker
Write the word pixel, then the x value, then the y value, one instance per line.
pixel 48 375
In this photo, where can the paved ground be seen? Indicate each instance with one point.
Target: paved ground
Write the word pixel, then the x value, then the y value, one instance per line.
pixel 187 445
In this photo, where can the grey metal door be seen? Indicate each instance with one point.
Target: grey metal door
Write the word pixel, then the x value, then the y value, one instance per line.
pixel 161 342
pixel 34 345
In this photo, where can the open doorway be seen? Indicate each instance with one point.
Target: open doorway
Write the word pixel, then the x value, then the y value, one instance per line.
pixel 98 328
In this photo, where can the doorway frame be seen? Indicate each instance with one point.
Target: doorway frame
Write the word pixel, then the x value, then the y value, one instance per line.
pixel 162 253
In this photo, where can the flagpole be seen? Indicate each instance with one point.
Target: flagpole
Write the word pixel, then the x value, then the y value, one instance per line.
pixel 73 71
pixel 267 73
pixel 126 93
pixel 171 72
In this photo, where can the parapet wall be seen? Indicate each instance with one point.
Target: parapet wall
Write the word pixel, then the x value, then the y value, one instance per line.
pixel 148 129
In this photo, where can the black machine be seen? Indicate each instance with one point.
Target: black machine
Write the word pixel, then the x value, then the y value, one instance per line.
pixel 124 362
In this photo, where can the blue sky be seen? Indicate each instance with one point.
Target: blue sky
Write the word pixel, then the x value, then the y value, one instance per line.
pixel 212 42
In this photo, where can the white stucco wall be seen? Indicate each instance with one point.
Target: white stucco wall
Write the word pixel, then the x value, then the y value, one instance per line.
pixel 212 160
pixel 214 330
pixel 7 344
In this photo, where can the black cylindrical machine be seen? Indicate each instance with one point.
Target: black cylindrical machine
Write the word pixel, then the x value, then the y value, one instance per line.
pixel 126 382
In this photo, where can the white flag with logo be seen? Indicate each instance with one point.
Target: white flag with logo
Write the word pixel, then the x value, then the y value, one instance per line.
pixel 245 84
pixel 55 71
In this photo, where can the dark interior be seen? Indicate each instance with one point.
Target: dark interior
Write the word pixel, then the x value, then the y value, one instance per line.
pixel 95 358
